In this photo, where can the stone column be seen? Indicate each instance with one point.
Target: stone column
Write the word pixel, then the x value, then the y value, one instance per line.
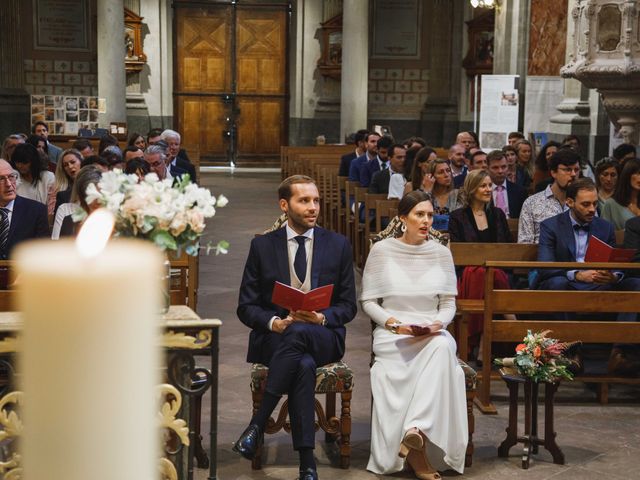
pixel 355 66
pixel 14 100
pixel 111 53
pixel 574 116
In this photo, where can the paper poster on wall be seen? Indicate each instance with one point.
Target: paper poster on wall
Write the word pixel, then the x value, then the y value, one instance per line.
pixel 499 108
pixel 65 115
pixel 543 95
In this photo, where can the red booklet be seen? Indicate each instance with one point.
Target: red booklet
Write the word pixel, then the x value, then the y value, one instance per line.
pixel 294 299
pixel 599 251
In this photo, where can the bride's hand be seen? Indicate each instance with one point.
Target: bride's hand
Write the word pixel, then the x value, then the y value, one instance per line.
pixel 436 328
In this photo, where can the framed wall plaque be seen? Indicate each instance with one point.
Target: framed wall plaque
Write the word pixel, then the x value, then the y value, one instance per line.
pixel 61 25
pixel 396 29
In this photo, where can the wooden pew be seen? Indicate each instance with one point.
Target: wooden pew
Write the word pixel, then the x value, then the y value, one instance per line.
pixel 184 280
pixel 550 302
pixel 385 209
pixel 350 219
pixel 370 200
pixel 289 155
pixel 475 255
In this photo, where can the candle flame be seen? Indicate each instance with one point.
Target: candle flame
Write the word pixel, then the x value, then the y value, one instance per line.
pixel 95 233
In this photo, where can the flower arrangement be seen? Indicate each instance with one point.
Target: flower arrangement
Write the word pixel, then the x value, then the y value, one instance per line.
pixel 539 358
pixel 172 215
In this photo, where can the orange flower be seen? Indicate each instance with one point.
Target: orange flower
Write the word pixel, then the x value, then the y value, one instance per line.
pixel 537 352
pixel 521 347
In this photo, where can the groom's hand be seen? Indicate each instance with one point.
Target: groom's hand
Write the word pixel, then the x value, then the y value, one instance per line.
pixel 307 317
pixel 279 325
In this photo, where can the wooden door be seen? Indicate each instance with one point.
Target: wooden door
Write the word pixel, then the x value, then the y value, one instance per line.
pixel 231 90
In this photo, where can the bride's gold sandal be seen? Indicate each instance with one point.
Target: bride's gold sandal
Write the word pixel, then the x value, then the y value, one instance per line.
pixel 421 467
pixel 412 440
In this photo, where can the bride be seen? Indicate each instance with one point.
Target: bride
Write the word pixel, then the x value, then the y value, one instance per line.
pixel 419 405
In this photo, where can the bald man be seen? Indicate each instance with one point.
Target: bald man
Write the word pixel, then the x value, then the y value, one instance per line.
pixel 466 139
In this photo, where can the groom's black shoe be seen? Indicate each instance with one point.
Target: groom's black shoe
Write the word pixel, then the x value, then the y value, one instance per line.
pixel 308 474
pixel 249 442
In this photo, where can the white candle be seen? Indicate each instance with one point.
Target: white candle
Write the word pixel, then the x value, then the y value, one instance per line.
pixel 90 360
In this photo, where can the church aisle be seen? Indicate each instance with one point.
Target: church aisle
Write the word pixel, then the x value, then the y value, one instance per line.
pixel 597 440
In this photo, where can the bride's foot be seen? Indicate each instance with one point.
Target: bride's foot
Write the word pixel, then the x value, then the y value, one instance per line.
pixel 412 440
pixel 417 460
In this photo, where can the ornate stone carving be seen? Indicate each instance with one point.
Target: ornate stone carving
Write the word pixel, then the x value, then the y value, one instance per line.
pixel 169 412
pixel 172 339
pixel 11 429
pixel 606 56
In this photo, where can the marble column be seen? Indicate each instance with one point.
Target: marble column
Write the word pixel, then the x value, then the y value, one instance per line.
pixel 574 117
pixel 355 67
pixel 14 100
pixel 111 53
pixel 439 118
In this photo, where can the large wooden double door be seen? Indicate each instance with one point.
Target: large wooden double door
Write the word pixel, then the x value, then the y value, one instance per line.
pixel 230 80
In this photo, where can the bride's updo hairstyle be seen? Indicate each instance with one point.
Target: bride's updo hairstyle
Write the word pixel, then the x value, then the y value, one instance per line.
pixel 410 200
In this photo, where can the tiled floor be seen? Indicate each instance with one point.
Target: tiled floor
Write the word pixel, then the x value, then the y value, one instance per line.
pixel 598 441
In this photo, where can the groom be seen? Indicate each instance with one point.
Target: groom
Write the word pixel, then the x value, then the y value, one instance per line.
pixel 293 344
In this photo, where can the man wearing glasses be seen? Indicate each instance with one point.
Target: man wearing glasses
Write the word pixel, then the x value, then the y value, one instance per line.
pixel 20 218
pixel 564 167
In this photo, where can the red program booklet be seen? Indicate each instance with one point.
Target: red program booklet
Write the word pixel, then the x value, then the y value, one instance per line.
pixel 295 299
pixel 599 251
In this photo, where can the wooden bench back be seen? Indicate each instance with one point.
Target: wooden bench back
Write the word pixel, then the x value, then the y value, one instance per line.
pixel 288 155
pixel 476 254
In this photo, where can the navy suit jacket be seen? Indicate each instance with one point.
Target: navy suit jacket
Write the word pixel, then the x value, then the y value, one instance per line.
pixel 268 262
pixel 28 221
pixel 354 168
pixel 557 241
pixel 183 162
pixel 367 171
pixel 345 163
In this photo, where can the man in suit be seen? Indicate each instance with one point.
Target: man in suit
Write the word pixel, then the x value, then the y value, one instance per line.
pixel 382 180
pixel 293 343
pixel 632 236
pixel 40 129
pixel 156 157
pixel 371 143
pixel 176 156
pixel 345 161
pixel 20 218
pixel 564 238
pixel 506 195
pixel 375 165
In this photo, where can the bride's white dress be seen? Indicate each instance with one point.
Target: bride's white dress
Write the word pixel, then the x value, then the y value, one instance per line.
pixel 415 381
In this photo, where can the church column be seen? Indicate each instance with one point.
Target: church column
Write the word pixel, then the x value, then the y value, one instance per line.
pixel 355 66
pixel 14 100
pixel 111 73
pixel 574 116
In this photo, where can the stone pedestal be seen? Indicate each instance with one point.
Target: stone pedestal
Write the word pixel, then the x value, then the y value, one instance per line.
pixel 111 73
pixel 355 66
pixel 14 99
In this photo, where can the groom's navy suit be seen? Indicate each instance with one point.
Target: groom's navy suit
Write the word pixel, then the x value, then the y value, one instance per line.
pixel 293 355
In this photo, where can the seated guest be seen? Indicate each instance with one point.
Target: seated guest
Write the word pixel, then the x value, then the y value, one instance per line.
pixel 624 203
pixel 541 176
pixel 632 236
pixel 63 225
pixel 67 168
pixel 113 155
pixel 371 143
pixel 564 238
pixel 41 145
pixel 35 183
pixel 478 161
pixel 154 136
pixel 176 156
pixel 514 137
pixel 512 159
pixel 98 161
pixel 360 145
pixel 391 180
pixel 458 162
pixel 379 163
pixel 467 140
pixel 573 142
pixel 9 145
pixel 507 196
pixel 156 158
pixel 420 177
pixel 137 166
pixel 41 129
pixel 83 146
pixel 624 152
pixel 132 152
pixel 107 141
pixel 137 140
pixel 564 167
pixel 445 198
pixel 20 218
pixel 524 166
pixel 606 179
pixel 419 410
pixel 479 222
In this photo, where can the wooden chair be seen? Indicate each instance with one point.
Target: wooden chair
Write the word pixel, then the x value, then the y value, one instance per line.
pixel 350 218
pixel 513 228
pixel 342 205
pixel 332 379
pixel 358 226
pixel 370 200
pixel 385 209
pixel 184 280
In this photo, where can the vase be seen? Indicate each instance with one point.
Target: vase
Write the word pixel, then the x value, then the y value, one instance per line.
pixel 165 285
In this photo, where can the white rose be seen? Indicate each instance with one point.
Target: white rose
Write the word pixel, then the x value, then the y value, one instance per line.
pixel 222 201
